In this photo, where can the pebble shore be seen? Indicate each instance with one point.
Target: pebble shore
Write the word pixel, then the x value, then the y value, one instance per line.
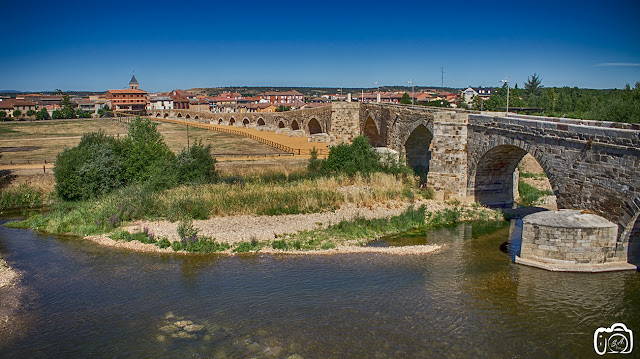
pixel 235 229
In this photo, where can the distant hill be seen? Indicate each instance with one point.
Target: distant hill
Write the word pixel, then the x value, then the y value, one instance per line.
pixel 310 91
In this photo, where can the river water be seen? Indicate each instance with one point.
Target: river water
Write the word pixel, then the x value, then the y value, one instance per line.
pixel 467 301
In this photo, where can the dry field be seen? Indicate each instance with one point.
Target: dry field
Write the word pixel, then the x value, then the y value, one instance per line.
pixel 43 140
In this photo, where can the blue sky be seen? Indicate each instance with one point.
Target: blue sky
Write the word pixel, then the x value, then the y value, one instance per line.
pixel 96 45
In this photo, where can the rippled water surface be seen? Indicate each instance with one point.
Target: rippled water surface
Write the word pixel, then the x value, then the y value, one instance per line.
pixel 467 301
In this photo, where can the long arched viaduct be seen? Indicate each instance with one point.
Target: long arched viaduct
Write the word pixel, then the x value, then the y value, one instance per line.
pixel 471 156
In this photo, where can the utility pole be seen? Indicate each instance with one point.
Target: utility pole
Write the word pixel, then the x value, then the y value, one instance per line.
pixel 442 76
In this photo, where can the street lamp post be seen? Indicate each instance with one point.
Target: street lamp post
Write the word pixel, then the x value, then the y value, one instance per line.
pixel 507 82
pixel 412 86
pixel 377 97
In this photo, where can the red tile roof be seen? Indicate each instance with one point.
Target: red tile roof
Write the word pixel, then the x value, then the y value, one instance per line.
pixel 128 91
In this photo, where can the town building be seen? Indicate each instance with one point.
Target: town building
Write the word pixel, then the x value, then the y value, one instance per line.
pixel 281 97
pixel 471 92
pixel 131 99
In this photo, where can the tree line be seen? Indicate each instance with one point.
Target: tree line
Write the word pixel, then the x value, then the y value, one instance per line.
pixel 618 105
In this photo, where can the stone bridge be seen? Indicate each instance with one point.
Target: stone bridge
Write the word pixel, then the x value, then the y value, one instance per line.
pixel 472 156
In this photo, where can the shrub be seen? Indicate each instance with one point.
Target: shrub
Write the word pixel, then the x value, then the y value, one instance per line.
pixel 163 243
pixel 91 169
pixel 186 230
pixel 196 165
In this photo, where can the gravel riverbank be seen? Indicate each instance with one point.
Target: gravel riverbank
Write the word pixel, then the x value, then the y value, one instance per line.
pixel 234 229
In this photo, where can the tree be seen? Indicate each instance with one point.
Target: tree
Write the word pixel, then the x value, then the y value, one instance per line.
pixel 406 99
pixel 476 103
pixel 42 114
pixel 532 87
pixel 57 114
pixel 17 113
pixel 30 113
pixel 3 115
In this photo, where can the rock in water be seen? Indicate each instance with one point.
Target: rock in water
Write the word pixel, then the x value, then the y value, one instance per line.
pixel 169 328
pixel 193 328
pixel 183 323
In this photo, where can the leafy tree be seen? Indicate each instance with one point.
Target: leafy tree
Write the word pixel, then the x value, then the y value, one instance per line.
pixel 17 113
pixel 79 113
pixel 283 108
pixel 30 113
pixel 477 103
pixel 43 114
pixel 406 99
pixel 3 115
pixel 144 150
pixel 68 113
pixel 57 114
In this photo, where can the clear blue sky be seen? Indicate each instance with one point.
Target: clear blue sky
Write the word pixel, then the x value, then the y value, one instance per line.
pixel 92 45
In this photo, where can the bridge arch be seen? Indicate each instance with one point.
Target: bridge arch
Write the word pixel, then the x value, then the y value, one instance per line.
pixel 294 125
pixel 261 122
pixel 370 130
pixel 220 121
pixel 314 126
pixel 166 115
pixel 158 114
pixel 179 115
pixel 188 116
pixel 281 124
pixel 196 117
pixel 633 251
pixel 232 121
pixel 492 179
pixel 245 121
pixel 417 150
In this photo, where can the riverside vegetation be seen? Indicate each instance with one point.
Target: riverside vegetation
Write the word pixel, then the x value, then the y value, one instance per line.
pixel 104 183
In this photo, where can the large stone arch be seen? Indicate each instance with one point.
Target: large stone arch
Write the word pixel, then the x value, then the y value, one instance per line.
pixel 314 127
pixel 261 122
pixel 179 115
pixel 245 121
pixel 281 124
pixel 196 117
pixel 417 149
pixel 370 130
pixel 633 240
pixel 220 120
pixel 232 121
pixel 294 125
pixel 491 180
pixel 188 116
pixel 166 114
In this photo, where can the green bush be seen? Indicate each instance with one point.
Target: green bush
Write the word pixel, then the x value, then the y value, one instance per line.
pixel 100 163
pixel 200 245
pixel 358 157
pixel 91 169
pixel 186 230
pixel 196 165
pixel 163 243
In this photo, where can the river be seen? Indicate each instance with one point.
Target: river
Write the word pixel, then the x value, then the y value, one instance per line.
pixel 468 300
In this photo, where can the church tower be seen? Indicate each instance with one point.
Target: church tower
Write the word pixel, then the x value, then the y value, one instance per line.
pixel 133 84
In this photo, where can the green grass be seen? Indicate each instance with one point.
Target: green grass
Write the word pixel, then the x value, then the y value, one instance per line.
pixel 361 230
pixel 22 196
pixel 201 245
pixel 540 175
pixel 529 195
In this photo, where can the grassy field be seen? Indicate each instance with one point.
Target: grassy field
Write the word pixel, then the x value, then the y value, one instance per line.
pixel 43 140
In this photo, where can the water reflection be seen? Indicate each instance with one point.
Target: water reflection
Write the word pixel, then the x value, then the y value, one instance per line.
pixel 469 300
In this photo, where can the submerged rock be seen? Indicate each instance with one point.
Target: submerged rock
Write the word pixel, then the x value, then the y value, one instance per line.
pixel 294 356
pixel 169 315
pixel 191 328
pixel 183 323
pixel 169 328
pixel 184 335
pixel 161 338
